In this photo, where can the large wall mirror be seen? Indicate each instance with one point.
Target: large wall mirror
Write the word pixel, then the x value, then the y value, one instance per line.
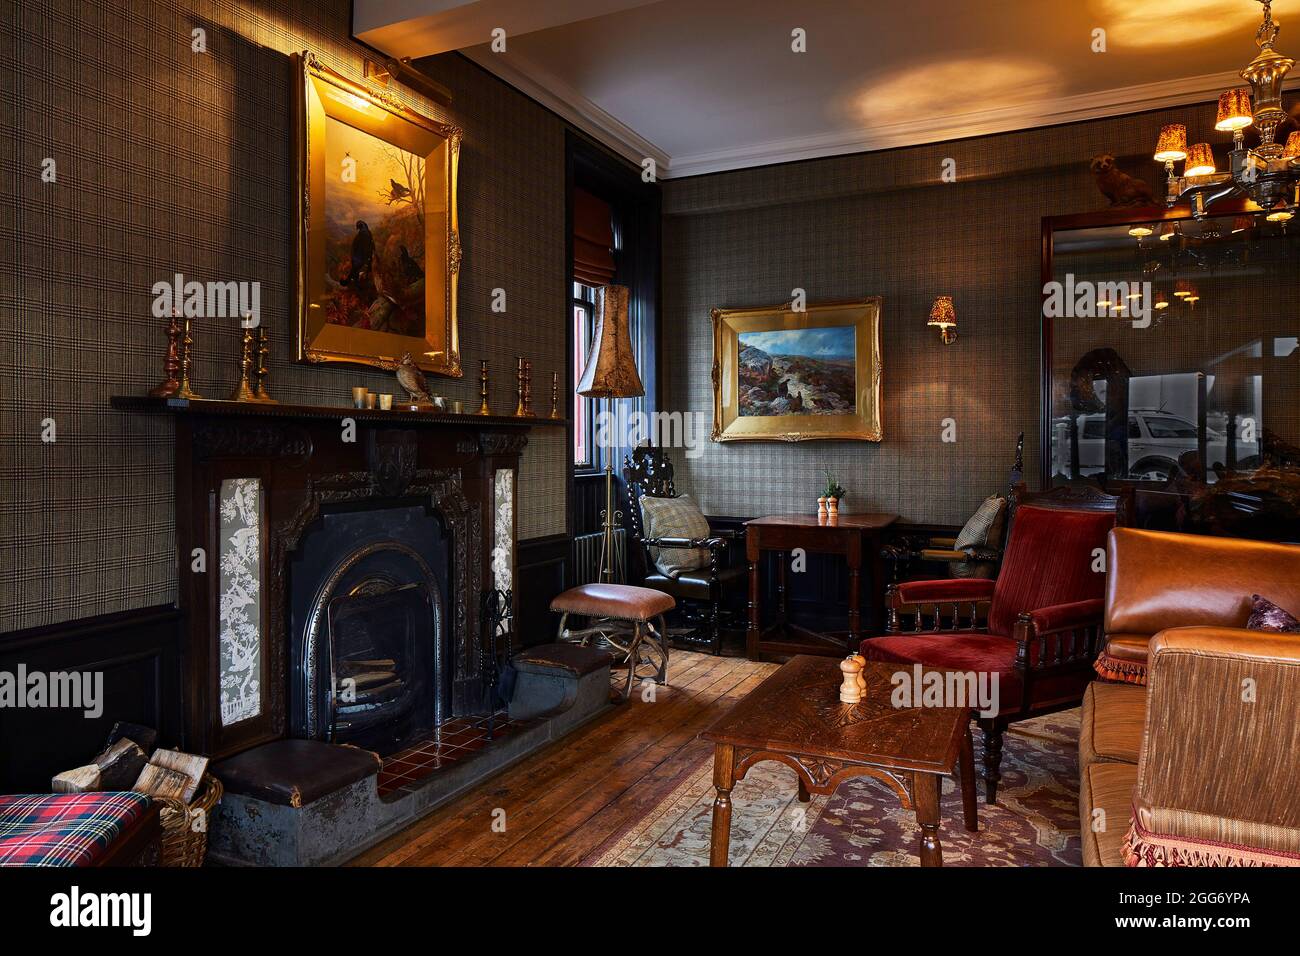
pixel 1171 364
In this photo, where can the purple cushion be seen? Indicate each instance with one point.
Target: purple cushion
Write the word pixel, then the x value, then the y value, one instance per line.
pixel 1267 616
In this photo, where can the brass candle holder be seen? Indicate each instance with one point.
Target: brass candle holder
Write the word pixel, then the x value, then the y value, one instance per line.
pixel 483 388
pixel 263 358
pixel 520 410
pixel 187 362
pixel 244 390
pixel 171 383
pixel 555 394
pixel 528 388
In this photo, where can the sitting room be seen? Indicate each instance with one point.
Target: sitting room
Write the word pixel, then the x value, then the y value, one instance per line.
pixel 635 434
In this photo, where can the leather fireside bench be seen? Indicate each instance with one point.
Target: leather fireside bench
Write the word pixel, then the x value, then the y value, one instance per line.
pixel 1195 766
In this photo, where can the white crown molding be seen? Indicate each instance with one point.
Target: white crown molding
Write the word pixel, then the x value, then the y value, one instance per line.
pixel 563 99
pixel 1064 109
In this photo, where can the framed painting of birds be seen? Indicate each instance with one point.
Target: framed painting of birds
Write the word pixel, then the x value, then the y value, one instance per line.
pixel 378 242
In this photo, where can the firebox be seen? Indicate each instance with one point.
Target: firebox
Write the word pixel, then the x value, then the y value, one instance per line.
pixel 369 638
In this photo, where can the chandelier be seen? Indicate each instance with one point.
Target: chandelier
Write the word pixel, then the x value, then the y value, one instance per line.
pixel 1269 174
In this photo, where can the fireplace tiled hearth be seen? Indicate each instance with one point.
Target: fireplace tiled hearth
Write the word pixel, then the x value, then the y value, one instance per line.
pixel 457 741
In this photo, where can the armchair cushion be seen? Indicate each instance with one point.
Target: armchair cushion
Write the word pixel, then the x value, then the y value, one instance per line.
pixel 984 527
pixel 680 518
pixel 1124 659
pixel 1049 560
pixel 692 584
pixel 945 589
pixel 975 651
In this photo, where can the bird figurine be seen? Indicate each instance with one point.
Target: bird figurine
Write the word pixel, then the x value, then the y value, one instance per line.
pixel 1118 186
pixel 412 379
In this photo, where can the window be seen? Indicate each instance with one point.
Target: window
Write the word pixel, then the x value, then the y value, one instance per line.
pixel 583 305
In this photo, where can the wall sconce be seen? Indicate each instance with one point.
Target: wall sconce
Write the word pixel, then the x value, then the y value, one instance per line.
pixel 943 316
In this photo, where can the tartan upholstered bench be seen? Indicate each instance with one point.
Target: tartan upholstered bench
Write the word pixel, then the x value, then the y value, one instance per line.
pixel 110 828
pixel 608 608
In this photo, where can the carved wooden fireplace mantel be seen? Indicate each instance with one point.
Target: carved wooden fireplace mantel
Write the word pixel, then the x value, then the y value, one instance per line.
pixel 251 479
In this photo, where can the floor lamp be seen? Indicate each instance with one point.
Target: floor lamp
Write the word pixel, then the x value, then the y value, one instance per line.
pixel 610 373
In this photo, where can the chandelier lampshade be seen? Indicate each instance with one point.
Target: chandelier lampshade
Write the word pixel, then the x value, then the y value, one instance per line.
pixel 1200 160
pixel 1234 111
pixel 1292 148
pixel 1172 145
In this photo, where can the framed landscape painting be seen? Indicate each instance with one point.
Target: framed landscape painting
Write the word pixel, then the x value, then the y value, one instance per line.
pixel 378 250
pixel 785 375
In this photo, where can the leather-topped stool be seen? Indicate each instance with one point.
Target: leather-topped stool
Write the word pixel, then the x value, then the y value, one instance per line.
pixel 642 608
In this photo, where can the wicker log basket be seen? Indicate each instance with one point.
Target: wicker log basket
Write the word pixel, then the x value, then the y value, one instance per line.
pixel 183 843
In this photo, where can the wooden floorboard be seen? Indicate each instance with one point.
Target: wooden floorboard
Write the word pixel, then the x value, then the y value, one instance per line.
pixel 564 801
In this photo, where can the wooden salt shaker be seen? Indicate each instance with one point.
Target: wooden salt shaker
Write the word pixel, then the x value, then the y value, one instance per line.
pixel 862 665
pixel 850 690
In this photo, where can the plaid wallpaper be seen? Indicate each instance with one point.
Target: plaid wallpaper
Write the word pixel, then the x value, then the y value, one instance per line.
pixel 172 161
pixel 885 224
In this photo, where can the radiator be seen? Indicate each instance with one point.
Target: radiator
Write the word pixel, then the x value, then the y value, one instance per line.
pixel 586 557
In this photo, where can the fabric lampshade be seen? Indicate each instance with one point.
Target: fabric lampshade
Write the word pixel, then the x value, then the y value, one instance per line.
pixel 610 371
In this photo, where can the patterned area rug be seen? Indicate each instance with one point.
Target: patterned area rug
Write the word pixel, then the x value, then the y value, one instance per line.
pixel 1034 823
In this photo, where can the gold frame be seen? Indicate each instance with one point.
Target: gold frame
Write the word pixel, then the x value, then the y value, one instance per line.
pixel 862 425
pixel 323 93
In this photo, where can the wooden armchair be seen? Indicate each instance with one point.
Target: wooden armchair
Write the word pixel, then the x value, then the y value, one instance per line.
pixel 1038 626
pixel 699 593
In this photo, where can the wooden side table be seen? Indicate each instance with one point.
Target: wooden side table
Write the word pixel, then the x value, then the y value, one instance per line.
pixel 796 717
pixel 852 535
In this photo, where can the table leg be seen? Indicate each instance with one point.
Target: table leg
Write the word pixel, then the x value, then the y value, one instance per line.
pixel 855 609
pixel 804 795
pixel 723 779
pixel 925 794
pixel 966 767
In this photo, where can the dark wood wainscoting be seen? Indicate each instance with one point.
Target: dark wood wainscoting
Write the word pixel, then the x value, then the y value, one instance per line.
pixel 542 572
pixel 138 654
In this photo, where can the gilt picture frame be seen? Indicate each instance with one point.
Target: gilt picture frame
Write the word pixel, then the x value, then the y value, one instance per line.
pixel 786 375
pixel 378 239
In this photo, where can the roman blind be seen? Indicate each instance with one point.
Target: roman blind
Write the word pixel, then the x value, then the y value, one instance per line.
pixel 593 239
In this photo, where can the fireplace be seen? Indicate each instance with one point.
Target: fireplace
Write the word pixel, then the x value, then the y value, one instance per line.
pixel 369 654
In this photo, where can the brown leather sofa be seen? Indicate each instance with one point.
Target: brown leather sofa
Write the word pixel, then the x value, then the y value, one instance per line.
pixel 1198 765
pixel 1157 579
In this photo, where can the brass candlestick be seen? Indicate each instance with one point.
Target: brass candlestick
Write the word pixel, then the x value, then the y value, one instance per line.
pixel 520 410
pixel 555 394
pixel 528 388
pixel 244 390
pixel 171 384
pixel 263 357
pixel 483 388
pixel 187 362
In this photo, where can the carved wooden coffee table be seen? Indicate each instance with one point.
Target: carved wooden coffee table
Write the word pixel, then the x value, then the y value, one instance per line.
pixel 795 717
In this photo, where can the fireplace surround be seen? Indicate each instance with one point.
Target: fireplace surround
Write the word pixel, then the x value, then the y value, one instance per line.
pixel 270 496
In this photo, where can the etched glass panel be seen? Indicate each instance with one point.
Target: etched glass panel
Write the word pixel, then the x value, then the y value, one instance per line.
pixel 240 612
pixel 503 529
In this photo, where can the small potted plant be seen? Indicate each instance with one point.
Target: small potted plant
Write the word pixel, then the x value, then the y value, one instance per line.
pixel 832 497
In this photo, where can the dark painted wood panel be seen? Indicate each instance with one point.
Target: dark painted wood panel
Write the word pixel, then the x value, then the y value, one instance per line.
pixel 542 573
pixel 137 652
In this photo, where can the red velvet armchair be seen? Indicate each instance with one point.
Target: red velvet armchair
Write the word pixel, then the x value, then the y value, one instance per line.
pixel 1038 626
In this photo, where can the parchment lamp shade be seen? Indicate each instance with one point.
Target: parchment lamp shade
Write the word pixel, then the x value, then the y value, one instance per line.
pixel 1234 111
pixel 1292 148
pixel 1172 145
pixel 610 371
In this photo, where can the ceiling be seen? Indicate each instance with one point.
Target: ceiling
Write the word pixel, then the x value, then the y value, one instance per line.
pixel 708 85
